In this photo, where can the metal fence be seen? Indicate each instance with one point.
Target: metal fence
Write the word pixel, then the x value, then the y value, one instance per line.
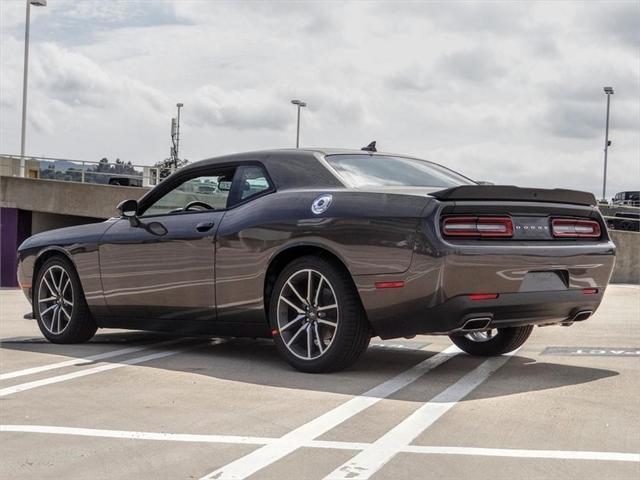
pixel 83 171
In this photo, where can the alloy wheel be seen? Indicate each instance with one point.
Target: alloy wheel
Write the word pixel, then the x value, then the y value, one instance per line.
pixel 55 299
pixel 307 314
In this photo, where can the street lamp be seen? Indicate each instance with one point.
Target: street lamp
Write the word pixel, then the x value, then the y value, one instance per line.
pixel 35 3
pixel 300 104
pixel 607 143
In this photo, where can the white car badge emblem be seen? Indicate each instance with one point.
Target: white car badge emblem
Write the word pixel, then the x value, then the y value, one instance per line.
pixel 321 203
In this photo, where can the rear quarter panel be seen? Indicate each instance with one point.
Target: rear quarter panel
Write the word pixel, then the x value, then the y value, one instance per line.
pixel 371 233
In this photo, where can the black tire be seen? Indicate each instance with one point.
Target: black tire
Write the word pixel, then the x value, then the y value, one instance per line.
pixel 504 341
pixel 352 333
pixel 79 326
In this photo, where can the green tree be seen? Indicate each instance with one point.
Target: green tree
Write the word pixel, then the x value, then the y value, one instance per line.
pixel 166 166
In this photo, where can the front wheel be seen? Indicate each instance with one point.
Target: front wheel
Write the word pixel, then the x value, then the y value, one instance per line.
pixel 492 342
pixel 59 304
pixel 316 318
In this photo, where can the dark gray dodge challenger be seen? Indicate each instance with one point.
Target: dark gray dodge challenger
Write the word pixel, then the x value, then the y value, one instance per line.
pixel 321 250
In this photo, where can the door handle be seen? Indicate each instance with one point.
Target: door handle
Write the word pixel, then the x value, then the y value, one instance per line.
pixel 204 226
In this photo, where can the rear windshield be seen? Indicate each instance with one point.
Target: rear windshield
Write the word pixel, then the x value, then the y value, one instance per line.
pixel 387 171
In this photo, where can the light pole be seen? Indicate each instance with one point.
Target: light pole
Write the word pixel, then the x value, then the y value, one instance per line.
pixel 300 104
pixel 35 3
pixel 607 143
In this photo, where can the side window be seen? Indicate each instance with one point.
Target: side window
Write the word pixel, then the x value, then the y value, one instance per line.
pixel 252 180
pixel 201 193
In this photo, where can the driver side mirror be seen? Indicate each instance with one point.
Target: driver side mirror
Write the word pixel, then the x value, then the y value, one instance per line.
pixel 129 209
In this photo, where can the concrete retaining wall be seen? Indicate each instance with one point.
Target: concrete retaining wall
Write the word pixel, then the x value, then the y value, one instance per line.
pixel 42 222
pixel 65 198
pixel 627 268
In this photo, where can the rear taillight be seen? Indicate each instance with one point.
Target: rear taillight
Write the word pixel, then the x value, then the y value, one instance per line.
pixel 574 228
pixel 477 227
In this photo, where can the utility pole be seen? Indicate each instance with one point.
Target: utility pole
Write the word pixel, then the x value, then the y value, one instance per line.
pixel 607 143
pixel 179 105
pixel 175 137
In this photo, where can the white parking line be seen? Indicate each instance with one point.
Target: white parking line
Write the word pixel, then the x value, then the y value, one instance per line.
pixel 85 360
pixel 274 451
pixel 91 371
pixel 371 459
pixel 335 445
pixel 173 437
pixel 520 453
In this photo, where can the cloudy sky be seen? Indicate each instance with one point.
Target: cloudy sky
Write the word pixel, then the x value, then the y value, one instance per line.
pixel 509 92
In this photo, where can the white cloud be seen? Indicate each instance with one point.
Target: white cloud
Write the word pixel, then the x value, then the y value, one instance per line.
pixel 475 65
pixel 616 20
pixel 74 79
pixel 238 109
pixel 509 92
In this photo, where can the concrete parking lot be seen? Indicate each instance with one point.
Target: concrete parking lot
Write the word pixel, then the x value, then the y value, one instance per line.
pixel 144 405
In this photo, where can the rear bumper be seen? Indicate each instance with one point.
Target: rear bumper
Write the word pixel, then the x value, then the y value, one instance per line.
pixel 508 310
pixel 461 313
pixel 435 297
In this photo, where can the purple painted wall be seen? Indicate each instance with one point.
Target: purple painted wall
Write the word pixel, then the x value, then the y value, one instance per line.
pixel 15 227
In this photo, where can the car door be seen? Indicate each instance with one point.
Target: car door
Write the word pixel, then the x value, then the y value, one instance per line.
pixel 241 249
pixel 164 269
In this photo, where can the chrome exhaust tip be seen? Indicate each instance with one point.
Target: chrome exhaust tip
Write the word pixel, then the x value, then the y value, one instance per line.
pixel 475 324
pixel 582 315
pixel 577 317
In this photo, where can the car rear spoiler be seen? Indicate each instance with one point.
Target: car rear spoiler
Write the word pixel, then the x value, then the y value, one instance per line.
pixel 513 193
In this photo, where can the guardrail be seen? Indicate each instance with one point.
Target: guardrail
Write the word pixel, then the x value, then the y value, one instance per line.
pixel 82 171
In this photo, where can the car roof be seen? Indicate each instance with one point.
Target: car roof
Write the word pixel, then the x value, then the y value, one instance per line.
pixel 289 167
pixel 293 168
pixel 303 152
